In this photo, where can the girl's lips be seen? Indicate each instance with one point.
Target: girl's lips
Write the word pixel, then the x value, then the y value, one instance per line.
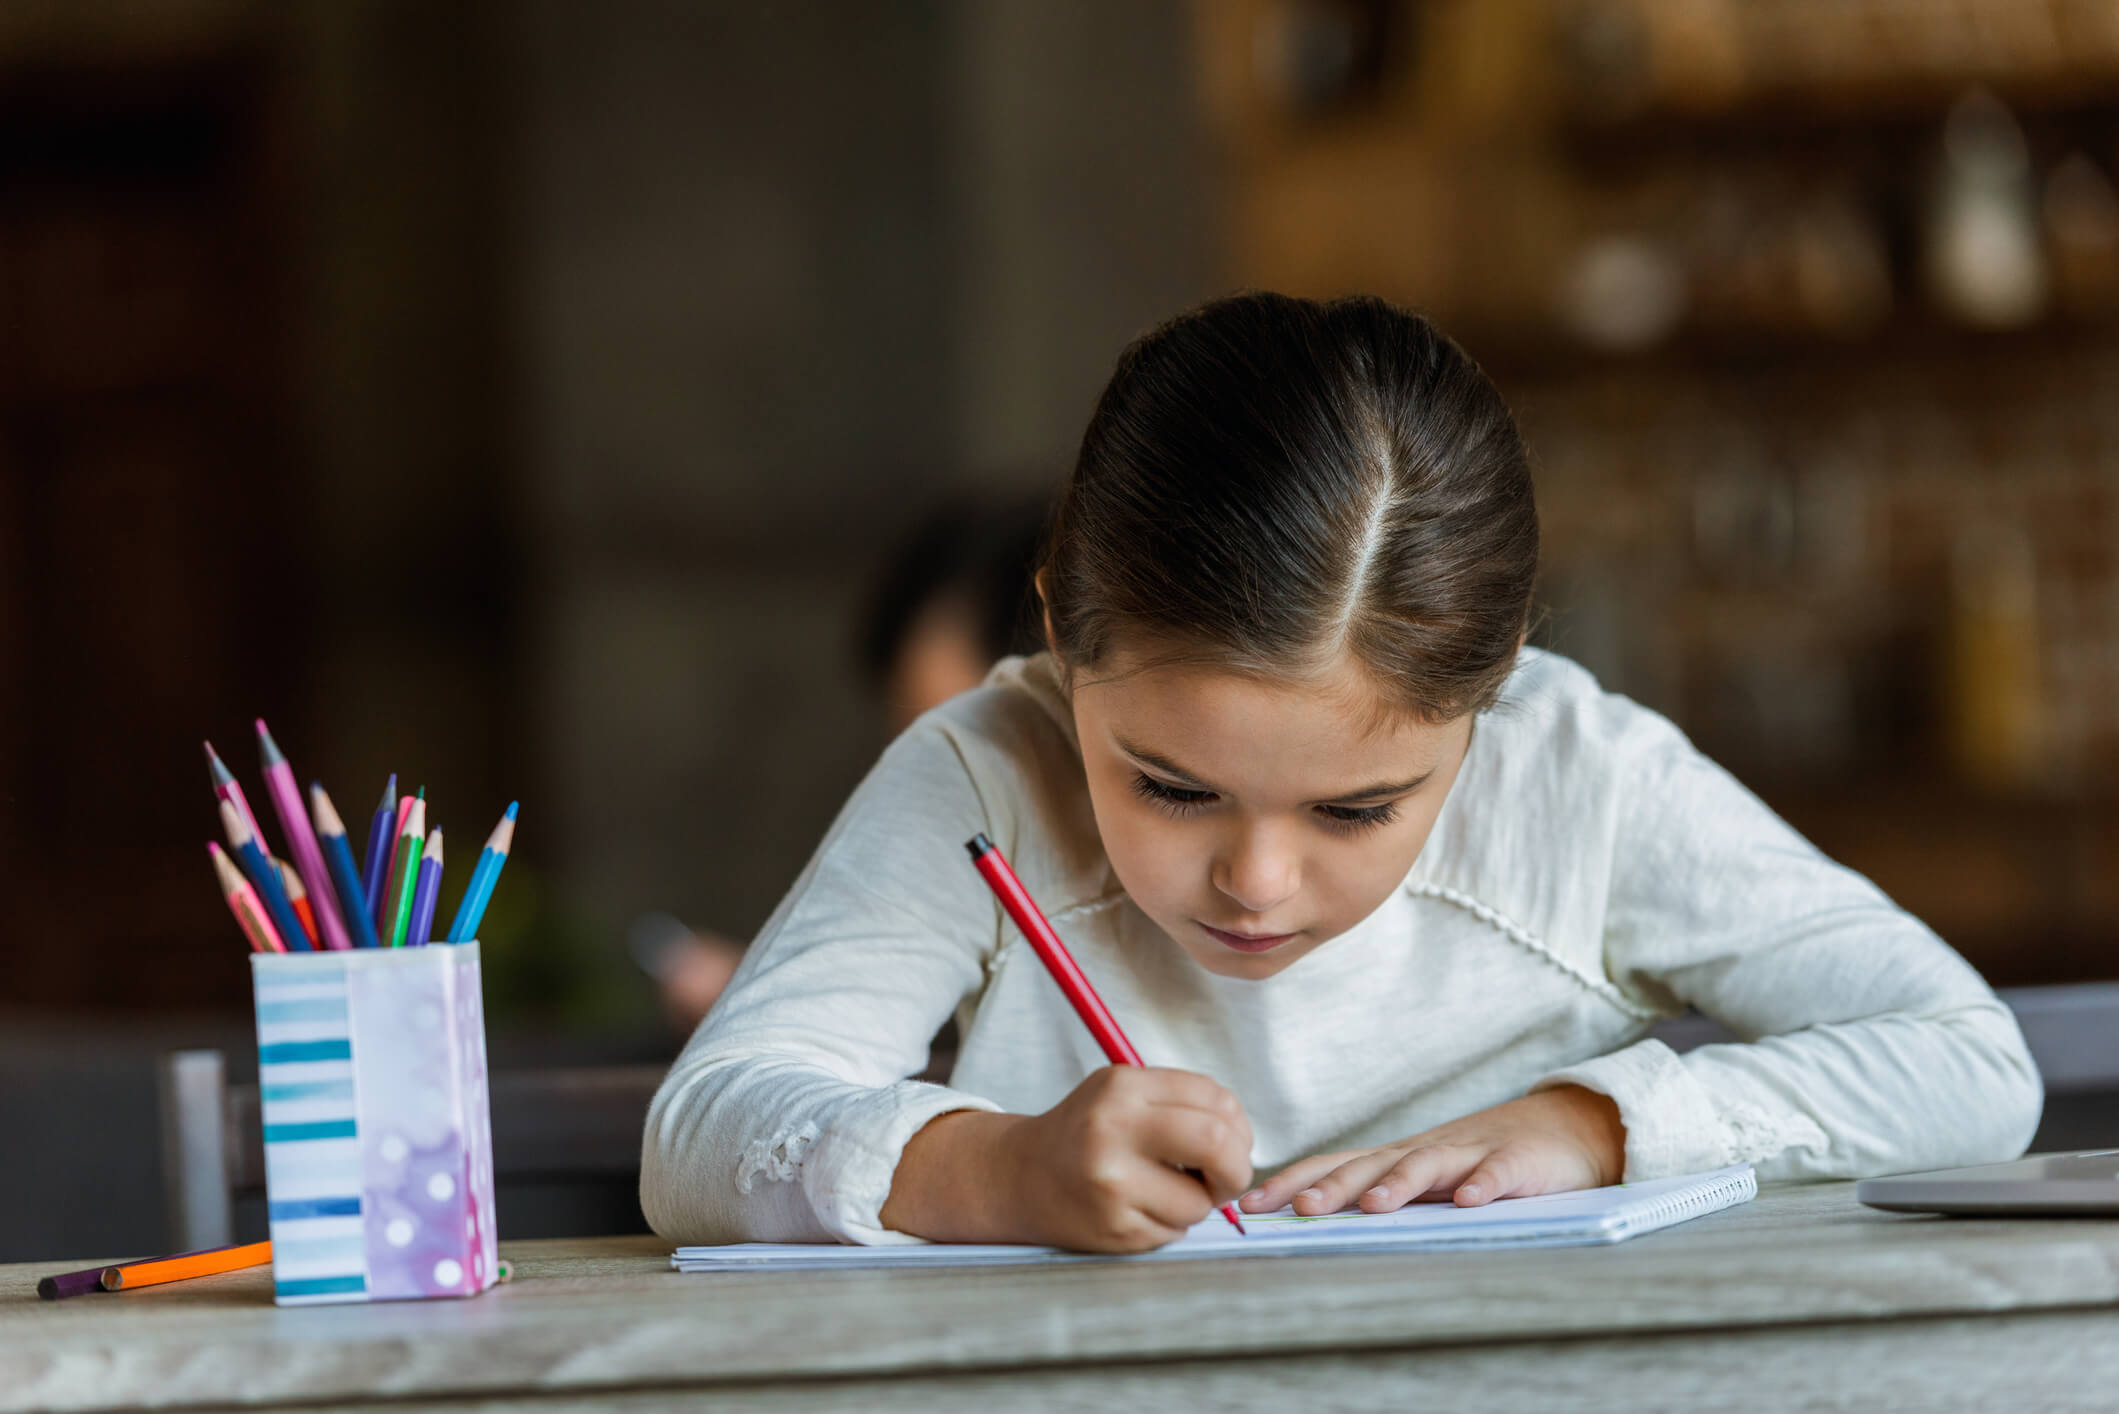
pixel 1247 944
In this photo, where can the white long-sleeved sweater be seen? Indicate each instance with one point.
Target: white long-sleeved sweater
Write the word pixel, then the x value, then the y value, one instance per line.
pixel 1590 873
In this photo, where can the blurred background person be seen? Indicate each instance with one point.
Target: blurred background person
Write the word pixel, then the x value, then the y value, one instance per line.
pixel 954 598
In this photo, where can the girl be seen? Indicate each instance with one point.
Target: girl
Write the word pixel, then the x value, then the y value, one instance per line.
pixel 1392 898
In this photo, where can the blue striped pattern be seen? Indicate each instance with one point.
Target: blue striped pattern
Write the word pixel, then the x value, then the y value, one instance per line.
pixel 312 1131
pixel 304 1290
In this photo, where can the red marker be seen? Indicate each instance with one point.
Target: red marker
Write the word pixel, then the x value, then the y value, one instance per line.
pixel 1060 963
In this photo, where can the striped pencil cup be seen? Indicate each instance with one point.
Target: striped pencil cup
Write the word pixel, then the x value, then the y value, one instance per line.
pixel 378 1143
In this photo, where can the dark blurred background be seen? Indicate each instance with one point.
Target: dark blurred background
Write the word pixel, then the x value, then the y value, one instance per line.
pixel 526 397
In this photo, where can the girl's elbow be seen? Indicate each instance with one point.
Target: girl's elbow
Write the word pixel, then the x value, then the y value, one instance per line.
pixel 2012 1101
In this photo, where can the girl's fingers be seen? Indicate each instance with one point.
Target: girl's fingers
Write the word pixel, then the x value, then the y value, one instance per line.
pixel 1337 1189
pixel 1503 1174
pixel 1187 1138
pixel 1163 1086
pixel 1170 1201
pixel 1276 1191
pixel 1423 1171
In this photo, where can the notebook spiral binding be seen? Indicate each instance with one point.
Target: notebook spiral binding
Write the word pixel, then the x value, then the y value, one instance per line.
pixel 1683 1207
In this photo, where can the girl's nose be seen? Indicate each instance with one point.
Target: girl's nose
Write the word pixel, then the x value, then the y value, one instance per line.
pixel 1257 872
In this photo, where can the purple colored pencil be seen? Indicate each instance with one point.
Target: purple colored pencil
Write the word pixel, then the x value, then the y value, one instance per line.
pixel 382 831
pixel 301 842
pixel 425 894
pixel 65 1284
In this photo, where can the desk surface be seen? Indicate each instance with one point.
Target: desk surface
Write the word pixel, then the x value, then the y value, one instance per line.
pixel 603 1323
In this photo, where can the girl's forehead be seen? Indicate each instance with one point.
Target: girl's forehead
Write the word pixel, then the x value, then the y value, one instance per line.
pixel 1337 724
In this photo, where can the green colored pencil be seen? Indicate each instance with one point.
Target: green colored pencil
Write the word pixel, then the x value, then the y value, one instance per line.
pixel 404 871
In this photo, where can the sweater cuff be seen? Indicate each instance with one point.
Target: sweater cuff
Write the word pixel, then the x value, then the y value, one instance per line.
pixel 855 1150
pixel 1672 1126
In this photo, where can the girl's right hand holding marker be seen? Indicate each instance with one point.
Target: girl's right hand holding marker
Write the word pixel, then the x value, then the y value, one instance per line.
pixel 1101 1171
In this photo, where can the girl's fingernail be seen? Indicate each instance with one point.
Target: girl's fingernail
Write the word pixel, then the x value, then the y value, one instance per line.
pixel 1315 1193
pixel 1379 1191
pixel 1472 1190
pixel 1253 1196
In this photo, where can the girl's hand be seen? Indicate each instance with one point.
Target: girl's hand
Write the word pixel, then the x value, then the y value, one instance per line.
pixel 1101 1171
pixel 1558 1139
pixel 1104 1169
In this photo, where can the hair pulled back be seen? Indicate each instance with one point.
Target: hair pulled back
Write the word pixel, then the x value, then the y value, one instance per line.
pixel 1268 483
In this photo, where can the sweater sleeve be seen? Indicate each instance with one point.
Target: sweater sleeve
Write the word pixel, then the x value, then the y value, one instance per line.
pixel 784 1117
pixel 1869 1046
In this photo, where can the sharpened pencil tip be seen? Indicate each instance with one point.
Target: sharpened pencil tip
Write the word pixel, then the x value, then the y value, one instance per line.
pixel 271 747
pixel 511 808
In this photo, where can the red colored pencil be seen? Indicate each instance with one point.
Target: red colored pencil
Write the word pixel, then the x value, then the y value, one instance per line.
pixel 1060 963
pixel 298 897
pixel 243 903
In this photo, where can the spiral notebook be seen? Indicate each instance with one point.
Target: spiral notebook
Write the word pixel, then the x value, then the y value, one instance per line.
pixel 1582 1218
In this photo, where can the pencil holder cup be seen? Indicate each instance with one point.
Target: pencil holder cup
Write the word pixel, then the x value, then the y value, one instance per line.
pixel 378 1144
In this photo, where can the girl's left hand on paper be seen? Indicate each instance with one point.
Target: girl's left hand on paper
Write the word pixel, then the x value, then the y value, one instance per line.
pixel 1558 1139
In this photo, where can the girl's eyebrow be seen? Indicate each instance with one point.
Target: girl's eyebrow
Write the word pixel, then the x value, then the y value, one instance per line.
pixel 1184 777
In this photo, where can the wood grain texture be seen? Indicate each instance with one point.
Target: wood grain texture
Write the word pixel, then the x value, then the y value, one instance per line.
pixel 591 1318
pixel 2060 1363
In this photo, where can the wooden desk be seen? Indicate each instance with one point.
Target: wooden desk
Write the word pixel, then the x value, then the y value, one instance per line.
pixel 1801 1299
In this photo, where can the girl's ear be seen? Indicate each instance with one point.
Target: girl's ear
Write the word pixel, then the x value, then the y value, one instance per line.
pixel 1044 612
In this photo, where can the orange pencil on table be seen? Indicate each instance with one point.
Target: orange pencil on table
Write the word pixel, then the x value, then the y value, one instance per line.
pixel 157 1270
pixel 243 902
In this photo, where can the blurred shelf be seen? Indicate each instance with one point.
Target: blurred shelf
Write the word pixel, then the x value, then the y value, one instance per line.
pixel 1914 337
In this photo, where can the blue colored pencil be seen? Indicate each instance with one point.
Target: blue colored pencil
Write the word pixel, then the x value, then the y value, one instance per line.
pixel 425 893
pixel 376 863
pixel 338 858
pixel 472 911
pixel 264 876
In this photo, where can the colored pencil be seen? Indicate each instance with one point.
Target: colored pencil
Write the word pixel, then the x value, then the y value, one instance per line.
pixel 65 1284
pixel 393 865
pixel 479 892
pixel 301 840
pixel 376 862
pixel 404 873
pixel 1073 982
pixel 425 893
pixel 157 1270
pixel 338 856
pixel 243 903
pixel 299 898
pixel 227 787
pixel 265 878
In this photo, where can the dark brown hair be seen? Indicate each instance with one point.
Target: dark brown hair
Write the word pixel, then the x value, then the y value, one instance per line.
pixel 1268 482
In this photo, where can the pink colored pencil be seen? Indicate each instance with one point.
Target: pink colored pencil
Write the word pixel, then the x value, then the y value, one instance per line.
pixel 243 903
pixel 301 841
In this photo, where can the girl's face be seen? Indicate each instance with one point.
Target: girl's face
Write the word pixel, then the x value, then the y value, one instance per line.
pixel 1254 821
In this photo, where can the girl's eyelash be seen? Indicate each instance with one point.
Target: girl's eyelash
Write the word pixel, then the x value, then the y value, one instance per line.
pixel 1175 800
pixel 1349 817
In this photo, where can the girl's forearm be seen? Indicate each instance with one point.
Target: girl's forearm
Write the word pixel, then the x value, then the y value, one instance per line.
pixel 956 1181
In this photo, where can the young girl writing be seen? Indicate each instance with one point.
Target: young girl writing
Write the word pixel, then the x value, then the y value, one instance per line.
pixel 1387 900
